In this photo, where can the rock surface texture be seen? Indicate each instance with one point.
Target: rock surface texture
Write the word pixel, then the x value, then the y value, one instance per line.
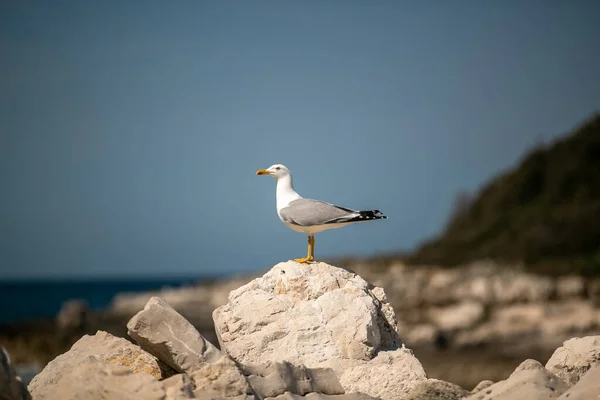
pixel 11 386
pixel 576 356
pixel 163 332
pixel 318 315
pixel 433 389
pixel 529 381
pixel 102 347
pixel 588 387
pixel 94 379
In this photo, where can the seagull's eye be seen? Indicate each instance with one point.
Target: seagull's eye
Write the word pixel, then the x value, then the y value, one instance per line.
pixel 277 168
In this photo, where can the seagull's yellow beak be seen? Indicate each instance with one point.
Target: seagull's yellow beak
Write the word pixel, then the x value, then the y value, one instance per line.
pixel 262 172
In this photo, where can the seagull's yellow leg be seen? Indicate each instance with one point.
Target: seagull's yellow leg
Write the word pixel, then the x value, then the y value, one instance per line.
pixel 310 256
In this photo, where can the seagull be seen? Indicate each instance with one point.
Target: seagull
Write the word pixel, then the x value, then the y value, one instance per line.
pixel 310 216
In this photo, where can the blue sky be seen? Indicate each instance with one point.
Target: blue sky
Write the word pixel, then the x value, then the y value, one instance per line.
pixel 130 131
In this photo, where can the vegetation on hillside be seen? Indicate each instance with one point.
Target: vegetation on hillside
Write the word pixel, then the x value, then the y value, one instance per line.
pixel 544 213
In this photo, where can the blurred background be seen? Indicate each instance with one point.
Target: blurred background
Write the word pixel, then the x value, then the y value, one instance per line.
pixel 130 134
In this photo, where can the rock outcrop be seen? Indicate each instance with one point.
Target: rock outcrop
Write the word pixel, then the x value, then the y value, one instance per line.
pixel 587 388
pixel 298 332
pixel 576 356
pixel 529 381
pixel 94 379
pixel 318 315
pixel 163 332
pixel 73 314
pixel 11 386
pixel 101 347
pixel 484 304
pixel 433 389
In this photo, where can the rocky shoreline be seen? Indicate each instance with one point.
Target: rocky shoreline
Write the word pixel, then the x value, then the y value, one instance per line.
pixel 299 331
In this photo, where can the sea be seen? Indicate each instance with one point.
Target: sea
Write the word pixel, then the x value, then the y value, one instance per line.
pixel 30 300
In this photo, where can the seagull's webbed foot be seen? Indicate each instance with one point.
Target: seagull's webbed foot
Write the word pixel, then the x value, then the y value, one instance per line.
pixel 304 260
pixel 310 256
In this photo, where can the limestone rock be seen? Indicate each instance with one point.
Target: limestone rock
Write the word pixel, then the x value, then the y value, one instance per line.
pixel 93 379
pixel 460 316
pixel 179 387
pixel 302 313
pixel 165 333
pixel 319 315
pixel 221 379
pixel 529 381
pixel 73 314
pixel 11 386
pixel 433 389
pixel 482 385
pixel 568 287
pixel 390 375
pixel 319 396
pixel 514 286
pixel 587 388
pixel 576 356
pixel 103 347
pixel 276 379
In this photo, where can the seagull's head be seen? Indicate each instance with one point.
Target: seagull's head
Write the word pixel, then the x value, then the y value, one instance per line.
pixel 277 171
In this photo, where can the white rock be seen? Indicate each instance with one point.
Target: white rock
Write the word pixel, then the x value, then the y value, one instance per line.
pixel 103 347
pixel 93 379
pixel 514 286
pixel 529 381
pixel 459 316
pixel 569 318
pixel 568 287
pixel 318 315
pixel 421 334
pixel 571 361
pixel 390 375
pixel 163 332
pixel 434 389
pixel 588 387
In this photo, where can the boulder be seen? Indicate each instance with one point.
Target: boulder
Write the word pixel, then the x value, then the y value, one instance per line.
pixel 276 379
pixel 529 381
pixel 11 386
pixel 73 314
pixel 576 356
pixel 593 291
pixel 221 379
pixel 318 315
pixel 587 388
pixel 165 333
pixel 515 286
pixel 569 287
pixel 433 389
pixel 177 387
pixel 103 347
pixel 390 375
pixel 459 316
pixel 319 396
pixel 94 379
pixel 482 385
pixel 568 318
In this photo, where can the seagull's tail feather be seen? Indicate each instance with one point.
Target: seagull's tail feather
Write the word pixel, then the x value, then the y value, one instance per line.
pixel 369 215
pixel 363 216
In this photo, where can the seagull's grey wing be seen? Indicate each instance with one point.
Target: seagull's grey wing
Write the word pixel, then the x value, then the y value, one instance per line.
pixel 307 212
